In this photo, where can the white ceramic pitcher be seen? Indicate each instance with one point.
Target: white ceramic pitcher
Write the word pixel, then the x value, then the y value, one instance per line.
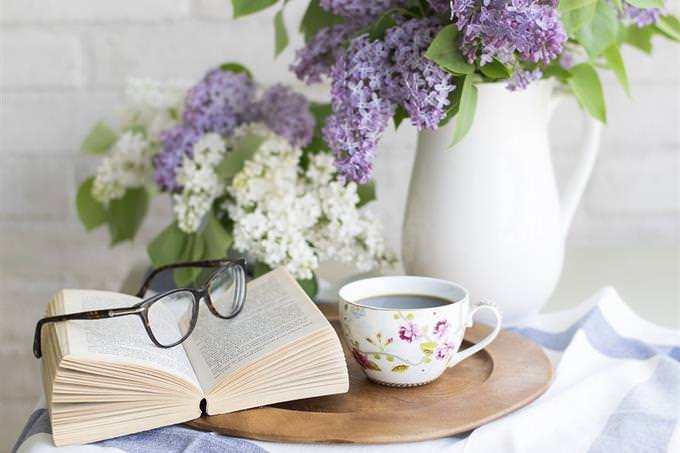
pixel 486 212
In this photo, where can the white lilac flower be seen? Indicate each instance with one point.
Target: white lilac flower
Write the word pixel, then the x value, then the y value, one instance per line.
pixel 199 181
pixel 286 216
pixel 127 165
pixel 152 106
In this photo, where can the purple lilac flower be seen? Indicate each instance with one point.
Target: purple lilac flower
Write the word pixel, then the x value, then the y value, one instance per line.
pixel 316 58
pixel 358 8
pixel 176 143
pixel 361 108
pixel 463 11
pixel 521 78
pixel 214 104
pixel 420 85
pixel 500 28
pixel 286 113
pixel 440 6
pixel 641 17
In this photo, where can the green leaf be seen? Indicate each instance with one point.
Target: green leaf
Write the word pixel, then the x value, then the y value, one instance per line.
pixel 444 51
pixel 310 286
pixel 377 31
pixel 669 26
pixel 644 4
pixel 366 193
pixel 316 18
pixel 400 114
pixel 400 368
pixel 280 33
pixel 235 159
pixel 321 112
pixel 90 211
pixel 618 4
pixel 613 57
pixel 389 358
pixel 315 145
pixel 428 347
pixel 236 68
pixel 126 214
pixel 466 110
pixel 640 38
pixel 588 90
pixel 454 100
pixel 495 70
pixel 260 268
pixel 217 238
pixel 194 248
pixel 556 70
pixel 601 32
pixel 99 140
pixel 168 246
pixel 136 128
pixel 245 7
pixel 565 6
pixel 576 14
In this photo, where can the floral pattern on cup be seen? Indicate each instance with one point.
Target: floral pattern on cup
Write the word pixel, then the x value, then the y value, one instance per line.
pixel 433 343
pixel 409 332
pixel 363 361
pixel 403 342
pixel 441 328
pixel 356 312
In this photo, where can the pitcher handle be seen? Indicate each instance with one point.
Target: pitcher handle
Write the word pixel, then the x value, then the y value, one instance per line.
pixel 588 148
pixel 467 352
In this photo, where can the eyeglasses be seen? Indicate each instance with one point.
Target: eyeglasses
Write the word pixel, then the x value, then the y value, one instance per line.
pixel 224 292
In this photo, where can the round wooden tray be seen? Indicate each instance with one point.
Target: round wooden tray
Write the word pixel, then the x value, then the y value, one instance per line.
pixel 510 373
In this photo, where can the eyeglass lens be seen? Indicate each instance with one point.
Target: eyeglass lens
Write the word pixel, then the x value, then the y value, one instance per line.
pixel 223 290
pixel 170 317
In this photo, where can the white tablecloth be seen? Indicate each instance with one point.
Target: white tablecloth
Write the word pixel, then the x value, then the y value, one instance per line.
pixel 616 389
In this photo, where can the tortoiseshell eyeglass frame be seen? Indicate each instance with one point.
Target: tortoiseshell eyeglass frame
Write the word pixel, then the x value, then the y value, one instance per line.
pixel 142 308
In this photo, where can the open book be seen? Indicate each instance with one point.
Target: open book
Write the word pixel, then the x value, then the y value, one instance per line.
pixel 105 378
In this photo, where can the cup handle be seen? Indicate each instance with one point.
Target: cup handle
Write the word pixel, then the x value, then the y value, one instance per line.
pixel 467 352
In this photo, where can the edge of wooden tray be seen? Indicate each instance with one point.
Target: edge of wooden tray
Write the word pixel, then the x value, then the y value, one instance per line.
pixel 527 374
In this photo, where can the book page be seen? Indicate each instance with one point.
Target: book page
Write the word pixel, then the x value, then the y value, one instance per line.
pixel 122 338
pixel 276 312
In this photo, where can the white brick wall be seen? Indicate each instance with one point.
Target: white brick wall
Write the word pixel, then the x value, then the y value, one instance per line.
pixel 38 59
pixel 54 11
pixel 63 64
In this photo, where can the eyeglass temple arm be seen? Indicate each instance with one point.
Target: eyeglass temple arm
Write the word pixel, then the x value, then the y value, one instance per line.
pixel 205 263
pixel 93 314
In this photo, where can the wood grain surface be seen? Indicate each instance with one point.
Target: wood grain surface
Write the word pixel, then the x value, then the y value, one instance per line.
pixel 511 372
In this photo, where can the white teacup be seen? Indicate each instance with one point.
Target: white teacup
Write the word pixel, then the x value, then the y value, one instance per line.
pixel 406 331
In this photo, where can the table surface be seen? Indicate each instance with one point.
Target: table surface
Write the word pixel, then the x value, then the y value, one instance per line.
pixel 647 279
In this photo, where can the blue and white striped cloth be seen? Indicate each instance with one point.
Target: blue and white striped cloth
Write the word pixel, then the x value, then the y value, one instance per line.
pixel 616 390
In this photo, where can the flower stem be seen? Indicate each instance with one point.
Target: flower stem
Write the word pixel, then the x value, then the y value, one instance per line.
pixel 392 355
